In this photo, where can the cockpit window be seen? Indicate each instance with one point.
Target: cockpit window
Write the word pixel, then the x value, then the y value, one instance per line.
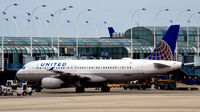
pixel 23 67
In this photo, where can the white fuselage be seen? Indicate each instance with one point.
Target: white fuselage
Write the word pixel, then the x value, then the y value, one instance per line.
pixel 97 70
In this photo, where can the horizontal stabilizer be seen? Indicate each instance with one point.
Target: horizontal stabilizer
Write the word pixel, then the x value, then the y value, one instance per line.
pixel 159 65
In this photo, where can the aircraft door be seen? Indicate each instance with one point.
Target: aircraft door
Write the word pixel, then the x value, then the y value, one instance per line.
pixel 140 67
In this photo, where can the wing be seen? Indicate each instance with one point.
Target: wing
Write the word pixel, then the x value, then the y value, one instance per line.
pixel 73 77
pixel 62 75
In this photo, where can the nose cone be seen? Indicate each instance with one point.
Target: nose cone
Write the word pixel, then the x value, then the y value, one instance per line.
pixel 19 74
pixel 178 65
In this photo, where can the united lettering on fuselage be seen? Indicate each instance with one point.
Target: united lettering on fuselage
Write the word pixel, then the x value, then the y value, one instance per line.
pixel 60 64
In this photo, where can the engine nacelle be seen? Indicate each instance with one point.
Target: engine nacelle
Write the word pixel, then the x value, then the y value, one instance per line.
pixel 51 83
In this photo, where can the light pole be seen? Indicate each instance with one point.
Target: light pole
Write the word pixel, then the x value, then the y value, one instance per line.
pixel 31 46
pixel 2 41
pixel 188 21
pixel 176 21
pixel 74 25
pixel 26 31
pixel 132 17
pixel 16 26
pixel 198 38
pixel 105 22
pixel 39 27
pixel 171 21
pixel 178 16
pixel 59 11
pixel 47 26
pixel 155 19
pixel 110 28
pixel 95 27
pixel 77 30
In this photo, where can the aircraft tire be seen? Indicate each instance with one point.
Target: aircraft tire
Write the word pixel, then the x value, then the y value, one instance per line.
pixel 30 93
pixel 24 93
pixel 38 89
pixel 105 89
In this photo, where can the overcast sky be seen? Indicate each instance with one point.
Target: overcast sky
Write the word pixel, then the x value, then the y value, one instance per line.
pixel 116 12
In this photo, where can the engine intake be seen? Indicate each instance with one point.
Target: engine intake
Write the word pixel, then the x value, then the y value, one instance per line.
pixel 51 83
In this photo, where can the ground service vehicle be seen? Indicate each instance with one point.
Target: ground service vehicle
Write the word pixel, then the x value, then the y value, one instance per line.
pixel 23 89
pixel 11 83
pixel 138 85
pixel 165 84
pixel 4 90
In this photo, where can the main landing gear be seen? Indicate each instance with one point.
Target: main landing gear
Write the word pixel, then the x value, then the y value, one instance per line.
pixel 105 88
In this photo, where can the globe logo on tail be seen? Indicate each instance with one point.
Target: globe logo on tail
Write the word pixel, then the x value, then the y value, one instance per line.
pixel 162 52
pixel 165 49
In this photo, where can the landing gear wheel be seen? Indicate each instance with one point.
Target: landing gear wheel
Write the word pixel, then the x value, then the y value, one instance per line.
pixel 24 93
pixel 38 89
pixel 105 89
pixel 30 93
pixel 125 88
pixel 80 89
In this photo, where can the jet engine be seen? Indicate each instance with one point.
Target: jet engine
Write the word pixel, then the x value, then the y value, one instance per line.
pixel 51 83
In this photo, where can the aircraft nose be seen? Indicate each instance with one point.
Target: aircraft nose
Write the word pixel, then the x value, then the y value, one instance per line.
pixel 18 74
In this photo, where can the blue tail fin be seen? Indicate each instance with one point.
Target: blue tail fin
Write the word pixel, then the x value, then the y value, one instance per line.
pixel 166 47
pixel 111 31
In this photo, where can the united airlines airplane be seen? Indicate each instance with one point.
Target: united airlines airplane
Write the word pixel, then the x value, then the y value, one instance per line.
pixel 53 74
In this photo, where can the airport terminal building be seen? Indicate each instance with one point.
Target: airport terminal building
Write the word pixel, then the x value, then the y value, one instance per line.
pixel 17 49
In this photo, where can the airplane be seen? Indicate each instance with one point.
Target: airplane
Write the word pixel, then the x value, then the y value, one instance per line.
pixel 54 74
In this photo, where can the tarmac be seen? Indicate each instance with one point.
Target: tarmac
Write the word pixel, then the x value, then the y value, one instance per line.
pixel 118 100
